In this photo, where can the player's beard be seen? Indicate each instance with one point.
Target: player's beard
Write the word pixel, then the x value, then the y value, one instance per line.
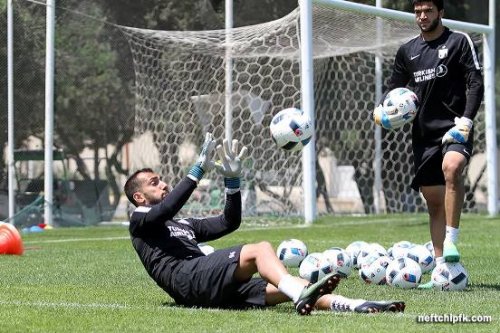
pixel 152 200
pixel 433 26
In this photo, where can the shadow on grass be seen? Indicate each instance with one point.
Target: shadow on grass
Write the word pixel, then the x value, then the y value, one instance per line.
pixel 485 286
pixel 170 304
pixel 278 308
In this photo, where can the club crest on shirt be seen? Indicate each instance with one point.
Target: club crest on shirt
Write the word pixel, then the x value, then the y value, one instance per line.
pixel 443 52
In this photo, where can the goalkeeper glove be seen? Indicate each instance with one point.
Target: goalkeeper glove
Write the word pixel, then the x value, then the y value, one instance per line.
pixel 230 163
pixel 204 162
pixel 388 117
pixel 458 133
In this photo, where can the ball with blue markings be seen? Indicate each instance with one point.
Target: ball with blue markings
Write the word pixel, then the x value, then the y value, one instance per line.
pixel 291 129
pixel 291 252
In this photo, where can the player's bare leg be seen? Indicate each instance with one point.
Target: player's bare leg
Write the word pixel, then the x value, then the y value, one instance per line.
pixel 261 258
pixel 453 167
pixel 434 196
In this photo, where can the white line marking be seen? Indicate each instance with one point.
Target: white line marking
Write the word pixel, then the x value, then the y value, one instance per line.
pixel 300 226
pixel 128 307
pixel 68 240
pixel 66 305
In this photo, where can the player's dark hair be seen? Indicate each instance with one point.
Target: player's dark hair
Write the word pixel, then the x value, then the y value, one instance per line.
pixel 439 3
pixel 133 184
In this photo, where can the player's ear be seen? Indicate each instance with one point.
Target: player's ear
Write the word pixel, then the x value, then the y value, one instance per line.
pixel 441 13
pixel 139 198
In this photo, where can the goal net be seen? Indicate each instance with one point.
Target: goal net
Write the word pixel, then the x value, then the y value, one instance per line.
pixel 180 94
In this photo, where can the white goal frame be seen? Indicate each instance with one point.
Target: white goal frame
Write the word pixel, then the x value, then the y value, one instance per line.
pixel 488 32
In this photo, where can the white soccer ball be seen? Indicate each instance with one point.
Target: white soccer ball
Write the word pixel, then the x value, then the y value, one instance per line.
pixel 403 273
pixel 406 103
pixel 353 249
pixel 430 247
pixel 291 129
pixel 400 249
pixel 314 267
pixel 369 253
pixel 291 252
pixel 375 272
pixel 340 260
pixel 422 256
pixel 450 276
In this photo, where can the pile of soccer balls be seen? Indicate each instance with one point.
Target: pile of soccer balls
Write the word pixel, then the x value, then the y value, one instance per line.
pixel 402 265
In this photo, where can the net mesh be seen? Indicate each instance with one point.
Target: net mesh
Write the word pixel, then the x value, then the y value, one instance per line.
pixel 180 78
pixel 180 87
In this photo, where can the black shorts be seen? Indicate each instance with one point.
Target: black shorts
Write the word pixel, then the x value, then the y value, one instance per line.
pixel 428 162
pixel 208 282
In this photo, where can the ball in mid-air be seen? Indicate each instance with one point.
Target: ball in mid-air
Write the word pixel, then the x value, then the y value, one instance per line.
pixel 291 129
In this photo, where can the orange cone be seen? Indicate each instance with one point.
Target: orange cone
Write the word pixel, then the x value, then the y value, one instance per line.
pixel 10 240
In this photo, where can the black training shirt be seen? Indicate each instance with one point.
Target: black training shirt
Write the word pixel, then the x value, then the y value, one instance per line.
pixel 445 73
pixel 163 242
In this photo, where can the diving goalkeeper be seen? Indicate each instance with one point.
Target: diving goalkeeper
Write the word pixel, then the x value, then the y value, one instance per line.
pixel 168 249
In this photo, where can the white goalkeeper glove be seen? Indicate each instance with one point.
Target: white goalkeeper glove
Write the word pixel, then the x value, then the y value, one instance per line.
pixel 458 133
pixel 388 117
pixel 204 162
pixel 230 163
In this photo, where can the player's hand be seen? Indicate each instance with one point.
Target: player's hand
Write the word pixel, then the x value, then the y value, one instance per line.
pixel 388 117
pixel 229 164
pixel 204 162
pixel 458 133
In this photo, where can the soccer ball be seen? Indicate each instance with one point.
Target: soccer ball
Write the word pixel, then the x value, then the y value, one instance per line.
pixel 369 253
pixel 291 129
pixel 340 260
pixel 400 249
pixel 314 267
pixel 403 273
pixel 353 249
pixel 406 103
pixel 430 247
pixel 376 271
pixel 422 256
pixel 449 276
pixel 291 252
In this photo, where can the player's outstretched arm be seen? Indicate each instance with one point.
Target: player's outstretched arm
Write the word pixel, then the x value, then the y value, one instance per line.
pixel 230 166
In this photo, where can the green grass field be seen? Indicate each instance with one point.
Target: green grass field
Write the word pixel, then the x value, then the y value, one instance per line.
pixel 91 280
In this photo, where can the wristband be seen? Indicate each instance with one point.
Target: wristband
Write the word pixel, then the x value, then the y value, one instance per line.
pixel 232 182
pixel 197 172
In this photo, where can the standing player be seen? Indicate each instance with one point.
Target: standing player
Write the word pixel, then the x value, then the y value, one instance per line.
pixel 442 67
pixel 168 248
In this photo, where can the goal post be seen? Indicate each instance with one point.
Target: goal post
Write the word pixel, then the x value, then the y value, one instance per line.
pixel 181 91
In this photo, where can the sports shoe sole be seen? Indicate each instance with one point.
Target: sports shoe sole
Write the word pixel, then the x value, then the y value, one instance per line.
pixel 384 306
pixel 311 293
